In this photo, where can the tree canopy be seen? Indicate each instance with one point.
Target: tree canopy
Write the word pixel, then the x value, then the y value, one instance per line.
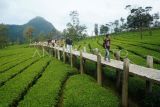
pixel 74 30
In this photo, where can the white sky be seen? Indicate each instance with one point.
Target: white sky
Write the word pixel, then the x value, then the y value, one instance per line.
pixel 57 11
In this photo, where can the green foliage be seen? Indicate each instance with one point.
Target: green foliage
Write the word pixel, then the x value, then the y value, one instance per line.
pixel 74 30
pixel 96 29
pixel 16 70
pixel 3 36
pixel 82 90
pixel 130 45
pixel 28 33
pixel 104 29
pixel 15 32
pixel 13 89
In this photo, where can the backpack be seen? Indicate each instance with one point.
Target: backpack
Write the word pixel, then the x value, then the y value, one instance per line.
pixel 106 43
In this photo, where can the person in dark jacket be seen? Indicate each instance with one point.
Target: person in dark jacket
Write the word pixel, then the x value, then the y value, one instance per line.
pixel 106 44
pixel 69 44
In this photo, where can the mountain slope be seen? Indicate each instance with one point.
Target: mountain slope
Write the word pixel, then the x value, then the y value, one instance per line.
pixel 39 24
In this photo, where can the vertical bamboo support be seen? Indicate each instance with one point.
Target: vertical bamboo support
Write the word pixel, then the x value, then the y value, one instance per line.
pixel 149 83
pixel 71 58
pixel 43 50
pixel 99 70
pixel 118 73
pixel 58 53
pixel 50 51
pixel 125 83
pixel 84 49
pixel 64 55
pixel 81 62
pixel 55 52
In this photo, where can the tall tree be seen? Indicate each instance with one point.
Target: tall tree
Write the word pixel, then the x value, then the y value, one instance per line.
pixel 139 18
pixel 104 29
pixel 122 22
pixel 156 18
pixel 74 18
pixel 74 30
pixel 111 24
pixel 96 29
pixel 3 36
pixel 116 22
pixel 28 33
pixel 149 19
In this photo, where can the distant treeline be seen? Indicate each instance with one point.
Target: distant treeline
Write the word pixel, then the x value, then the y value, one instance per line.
pixel 139 19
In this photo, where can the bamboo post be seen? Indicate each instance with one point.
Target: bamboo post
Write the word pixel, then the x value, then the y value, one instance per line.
pixel 74 59
pixel 64 55
pixel 118 73
pixel 81 62
pixel 149 83
pixel 84 49
pixel 43 50
pixel 58 53
pixel 48 49
pixel 125 83
pixel 55 52
pixel 52 51
pixel 99 70
pixel 96 51
pixel 71 60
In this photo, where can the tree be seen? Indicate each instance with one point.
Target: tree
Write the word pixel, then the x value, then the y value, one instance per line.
pixel 116 23
pixel 111 24
pixel 122 22
pixel 104 29
pixel 139 18
pixel 96 29
pixel 3 35
pixel 149 19
pixel 156 18
pixel 74 30
pixel 74 18
pixel 28 33
pixel 41 37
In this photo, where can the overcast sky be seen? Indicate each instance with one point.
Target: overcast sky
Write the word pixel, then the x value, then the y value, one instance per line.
pixel 57 11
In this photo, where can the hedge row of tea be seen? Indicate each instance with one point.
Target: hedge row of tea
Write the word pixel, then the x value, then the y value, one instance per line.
pixel 27 81
pixel 137 50
pixel 130 44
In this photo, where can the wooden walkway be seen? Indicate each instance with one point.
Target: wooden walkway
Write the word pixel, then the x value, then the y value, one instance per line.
pixel 144 72
pixel 149 74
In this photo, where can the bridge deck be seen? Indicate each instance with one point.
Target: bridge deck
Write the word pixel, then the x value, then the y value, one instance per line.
pixel 144 72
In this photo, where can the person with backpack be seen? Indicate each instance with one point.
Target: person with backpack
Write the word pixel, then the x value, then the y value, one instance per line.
pixel 106 45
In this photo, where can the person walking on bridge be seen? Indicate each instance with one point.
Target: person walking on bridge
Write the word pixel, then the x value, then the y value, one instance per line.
pixel 106 45
pixel 69 44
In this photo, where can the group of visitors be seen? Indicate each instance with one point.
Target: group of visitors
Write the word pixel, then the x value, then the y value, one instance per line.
pixel 69 43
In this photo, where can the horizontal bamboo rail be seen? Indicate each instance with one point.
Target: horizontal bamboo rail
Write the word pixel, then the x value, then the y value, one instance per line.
pixel 148 73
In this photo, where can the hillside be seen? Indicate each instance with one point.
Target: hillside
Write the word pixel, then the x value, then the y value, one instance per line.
pixel 27 81
pixel 39 24
pixel 130 45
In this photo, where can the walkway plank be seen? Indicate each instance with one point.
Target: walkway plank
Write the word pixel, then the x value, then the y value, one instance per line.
pixel 143 72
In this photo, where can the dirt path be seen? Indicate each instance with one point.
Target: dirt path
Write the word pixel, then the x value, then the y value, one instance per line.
pixel 61 92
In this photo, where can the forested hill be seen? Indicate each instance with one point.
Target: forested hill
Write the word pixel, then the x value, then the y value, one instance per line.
pixel 39 24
